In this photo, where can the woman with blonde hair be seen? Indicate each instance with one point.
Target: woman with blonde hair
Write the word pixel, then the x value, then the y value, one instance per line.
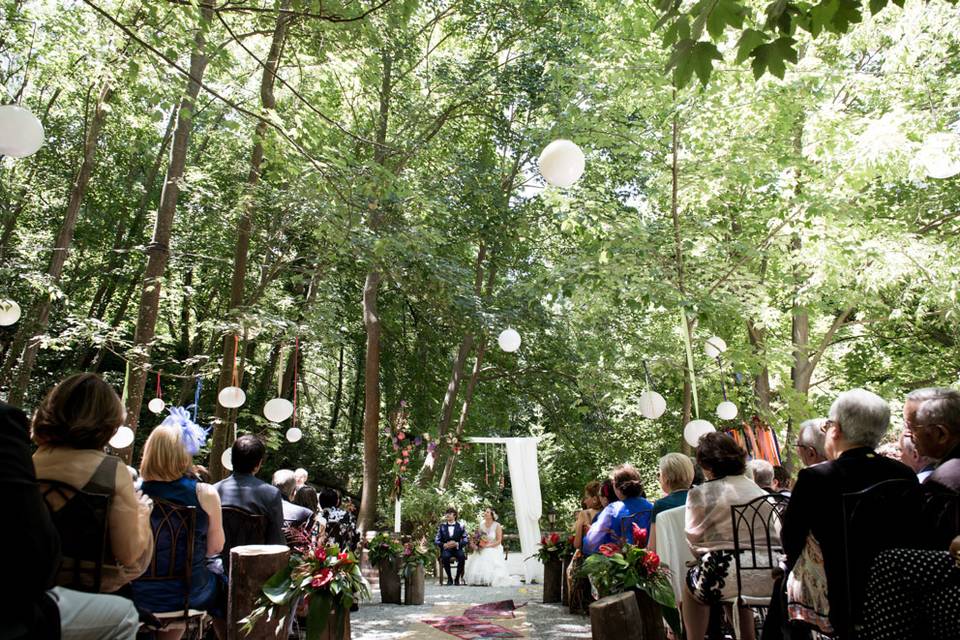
pixel 676 477
pixel 167 475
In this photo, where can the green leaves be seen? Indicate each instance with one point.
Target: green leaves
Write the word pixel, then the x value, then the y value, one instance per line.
pixel 725 13
pixel 749 41
pixel 773 57
pixel 691 57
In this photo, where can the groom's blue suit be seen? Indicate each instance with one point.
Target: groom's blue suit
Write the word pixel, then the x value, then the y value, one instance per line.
pixel 452 533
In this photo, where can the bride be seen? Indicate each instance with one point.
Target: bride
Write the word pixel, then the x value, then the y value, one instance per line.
pixel 487 566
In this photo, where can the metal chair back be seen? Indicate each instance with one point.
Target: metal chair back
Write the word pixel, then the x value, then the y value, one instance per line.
pixel 756 535
pixel 81 520
pixel 640 518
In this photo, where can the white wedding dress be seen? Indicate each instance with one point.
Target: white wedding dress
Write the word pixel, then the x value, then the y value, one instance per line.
pixel 487 566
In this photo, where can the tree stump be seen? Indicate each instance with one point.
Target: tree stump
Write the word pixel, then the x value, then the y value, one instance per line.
pixel 615 617
pixel 552 577
pixel 250 566
pixel 390 582
pixel 413 587
pixel 329 633
pixel 565 584
pixel 651 617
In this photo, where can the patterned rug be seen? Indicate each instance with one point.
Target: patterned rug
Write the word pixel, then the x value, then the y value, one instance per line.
pixel 474 625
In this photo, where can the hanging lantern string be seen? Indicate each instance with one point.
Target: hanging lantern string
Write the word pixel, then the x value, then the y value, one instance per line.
pixel 646 375
pixel 196 397
pixel 159 389
pixel 296 371
pixel 236 347
pixel 723 386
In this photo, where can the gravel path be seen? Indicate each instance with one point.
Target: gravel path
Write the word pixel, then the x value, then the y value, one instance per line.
pixel 537 621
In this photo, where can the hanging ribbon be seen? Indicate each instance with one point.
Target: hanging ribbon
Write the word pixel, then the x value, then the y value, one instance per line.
pixel 236 347
pixel 282 359
pixel 684 329
pixel 723 386
pixel 159 389
pixel 646 376
pixel 126 384
pixel 196 398
pixel 296 364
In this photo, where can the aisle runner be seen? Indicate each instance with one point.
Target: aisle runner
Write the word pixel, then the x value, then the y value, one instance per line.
pixel 472 624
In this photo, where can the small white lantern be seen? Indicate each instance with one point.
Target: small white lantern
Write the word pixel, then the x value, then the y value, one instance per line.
pixel 278 409
pixel 21 133
pixel 726 410
pixel 156 405
pixel 562 163
pixel 294 434
pixel 226 459
pixel 695 429
pixel 714 346
pixel 123 438
pixel 652 405
pixel 940 155
pixel 231 397
pixel 509 340
pixel 9 313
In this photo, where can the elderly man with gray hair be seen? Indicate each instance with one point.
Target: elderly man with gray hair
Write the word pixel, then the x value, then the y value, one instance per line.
pixel 293 515
pixel 857 422
pixel 810 442
pixel 762 473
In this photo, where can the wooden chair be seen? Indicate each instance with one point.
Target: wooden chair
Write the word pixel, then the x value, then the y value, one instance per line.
pixel 241 527
pixel 81 520
pixel 640 518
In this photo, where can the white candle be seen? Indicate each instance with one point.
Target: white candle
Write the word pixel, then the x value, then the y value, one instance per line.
pixel 396 517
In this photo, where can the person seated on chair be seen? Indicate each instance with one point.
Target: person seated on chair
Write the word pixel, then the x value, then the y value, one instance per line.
pixel 932 420
pixel 810 442
pixel 857 422
pixel 34 609
pixel 71 427
pixel 613 525
pixel 341 525
pixel 761 471
pixel 676 477
pixel 243 490
pixel 781 481
pixel 294 516
pixel 451 539
pixel 167 475
pixel 709 529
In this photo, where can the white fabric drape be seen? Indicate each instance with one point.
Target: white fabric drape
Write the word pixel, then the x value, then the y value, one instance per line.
pixel 525 482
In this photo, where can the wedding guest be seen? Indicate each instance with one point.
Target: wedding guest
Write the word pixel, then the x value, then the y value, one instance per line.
pixel 676 477
pixel 613 524
pixel 580 597
pixel 858 421
pixel 810 442
pixel 781 481
pixel 341 527
pixel 921 465
pixel 35 608
pixel 762 473
pixel 242 489
pixel 301 475
pixel 607 495
pixel 306 496
pixel 294 516
pixel 71 427
pixel 167 471
pixel 709 530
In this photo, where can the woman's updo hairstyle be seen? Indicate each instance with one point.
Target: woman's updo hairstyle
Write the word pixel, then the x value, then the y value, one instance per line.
pixel 626 480
pixel 81 412
pixel 606 491
pixel 721 455
pixel 493 513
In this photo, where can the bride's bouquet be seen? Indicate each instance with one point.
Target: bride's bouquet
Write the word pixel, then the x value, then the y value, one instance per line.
pixel 474 540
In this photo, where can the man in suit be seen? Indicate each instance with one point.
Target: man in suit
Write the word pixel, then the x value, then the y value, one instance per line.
pixel 932 421
pixel 244 490
pixel 858 420
pixel 451 539
pixel 293 515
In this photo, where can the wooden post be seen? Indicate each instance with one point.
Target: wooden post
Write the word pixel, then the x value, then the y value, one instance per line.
pixel 615 617
pixel 552 577
pixel 250 566
pixel 413 587
pixel 390 582
pixel 565 583
pixel 651 617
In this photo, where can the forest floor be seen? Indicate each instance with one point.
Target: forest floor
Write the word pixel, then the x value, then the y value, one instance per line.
pixel 531 619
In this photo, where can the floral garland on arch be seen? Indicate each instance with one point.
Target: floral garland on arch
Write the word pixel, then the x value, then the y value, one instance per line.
pixel 407 444
pixel 616 568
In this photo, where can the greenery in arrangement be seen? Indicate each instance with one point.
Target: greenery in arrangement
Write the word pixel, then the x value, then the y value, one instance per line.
pixel 552 547
pixel 416 555
pixel 383 548
pixel 567 551
pixel 617 568
pixel 323 580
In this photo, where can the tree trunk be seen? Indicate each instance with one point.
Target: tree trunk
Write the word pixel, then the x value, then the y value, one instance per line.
pixel 222 427
pixel 464 409
pixel 61 247
pixel 337 397
pixel 158 251
pixel 356 409
pixel 761 381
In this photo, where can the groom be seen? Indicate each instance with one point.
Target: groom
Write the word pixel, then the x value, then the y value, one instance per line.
pixel 451 538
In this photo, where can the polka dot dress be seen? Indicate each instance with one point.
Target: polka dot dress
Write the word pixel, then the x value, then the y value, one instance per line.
pixel 912 594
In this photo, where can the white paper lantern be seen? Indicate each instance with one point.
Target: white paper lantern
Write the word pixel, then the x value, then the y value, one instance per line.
pixel 562 163
pixel 231 397
pixel 226 459
pixel 695 429
pixel 652 405
pixel 123 438
pixel 714 346
pixel 940 155
pixel 509 340
pixel 726 410
pixel 21 133
pixel 156 405
pixel 9 313
pixel 278 409
pixel 294 434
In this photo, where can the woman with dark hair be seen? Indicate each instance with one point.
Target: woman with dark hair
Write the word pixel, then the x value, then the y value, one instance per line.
pixel 615 522
pixel 341 527
pixel 71 427
pixel 709 529
pixel 488 566
pixel 579 588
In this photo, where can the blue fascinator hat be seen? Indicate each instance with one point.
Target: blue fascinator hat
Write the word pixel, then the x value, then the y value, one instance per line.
pixel 193 435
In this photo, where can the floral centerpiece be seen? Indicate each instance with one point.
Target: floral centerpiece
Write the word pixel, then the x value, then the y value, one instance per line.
pixel 567 550
pixel 324 579
pixel 632 567
pixel 383 548
pixel 551 548
pixel 414 556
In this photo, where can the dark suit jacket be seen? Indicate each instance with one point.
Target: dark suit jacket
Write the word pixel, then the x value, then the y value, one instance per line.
pixel 33 544
pixel 941 492
pixel 443 535
pixel 248 492
pixel 295 515
pixel 816 507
